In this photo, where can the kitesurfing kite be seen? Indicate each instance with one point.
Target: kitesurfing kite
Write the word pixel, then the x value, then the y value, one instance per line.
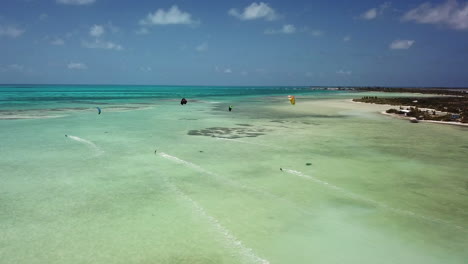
pixel 183 101
pixel 99 110
pixel 292 99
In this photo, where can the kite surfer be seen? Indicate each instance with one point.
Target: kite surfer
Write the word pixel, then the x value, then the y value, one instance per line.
pixel 230 108
pixel 183 101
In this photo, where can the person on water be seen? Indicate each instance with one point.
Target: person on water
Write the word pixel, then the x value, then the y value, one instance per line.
pixel 230 108
pixel 183 101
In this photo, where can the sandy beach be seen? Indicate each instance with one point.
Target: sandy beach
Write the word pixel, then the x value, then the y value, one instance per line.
pixel 386 106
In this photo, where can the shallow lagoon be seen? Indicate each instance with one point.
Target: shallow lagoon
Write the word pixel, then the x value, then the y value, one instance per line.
pixel 378 190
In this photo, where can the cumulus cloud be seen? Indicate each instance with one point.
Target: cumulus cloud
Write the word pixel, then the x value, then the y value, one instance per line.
pixel 100 44
pixel 224 70
pixel 15 67
pixel 309 74
pixel 142 31
pixel 10 31
pixel 344 72
pixel 12 68
pixel 286 29
pixel 173 16
pixel 369 14
pixel 255 11
pixel 202 47
pixel 316 33
pixel 450 13
pixel 374 12
pixel 77 66
pixel 401 44
pixel 43 16
pixel 146 69
pixel 57 42
pixel 75 2
pixel 112 27
pixel 96 31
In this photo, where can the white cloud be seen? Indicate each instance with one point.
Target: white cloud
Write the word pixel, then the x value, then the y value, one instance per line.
pixel 374 12
pixel 12 68
pixel 316 33
pixel 450 13
pixel 173 16
pixel 10 31
pixel 99 44
pixel 225 70
pixel 255 11
pixel 142 31
pixel 202 47
pixel 344 72
pixel 77 66
pixel 146 69
pixel 401 44
pixel 15 67
pixel 57 41
pixel 347 38
pixel 112 27
pixel 43 16
pixel 96 31
pixel 75 2
pixel 286 29
pixel 369 14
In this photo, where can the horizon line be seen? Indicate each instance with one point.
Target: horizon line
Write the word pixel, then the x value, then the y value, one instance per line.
pixel 199 85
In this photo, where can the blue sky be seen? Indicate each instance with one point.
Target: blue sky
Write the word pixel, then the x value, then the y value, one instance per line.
pixel 341 42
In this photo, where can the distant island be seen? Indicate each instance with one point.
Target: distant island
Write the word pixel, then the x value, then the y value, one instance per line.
pixel 450 106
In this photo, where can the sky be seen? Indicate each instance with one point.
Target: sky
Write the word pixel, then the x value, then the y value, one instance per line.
pixel 237 42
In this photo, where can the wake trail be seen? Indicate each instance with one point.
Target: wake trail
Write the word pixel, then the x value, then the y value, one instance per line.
pixel 373 202
pixel 90 144
pixel 233 183
pixel 247 253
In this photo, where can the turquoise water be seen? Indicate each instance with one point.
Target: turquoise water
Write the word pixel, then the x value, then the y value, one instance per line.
pixel 151 181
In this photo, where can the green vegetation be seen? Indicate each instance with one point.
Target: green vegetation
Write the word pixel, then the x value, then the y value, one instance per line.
pixel 447 108
pixel 442 91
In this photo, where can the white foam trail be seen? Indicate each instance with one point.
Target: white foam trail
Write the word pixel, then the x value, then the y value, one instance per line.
pixel 251 143
pixel 376 203
pixel 234 242
pixel 90 144
pixel 233 183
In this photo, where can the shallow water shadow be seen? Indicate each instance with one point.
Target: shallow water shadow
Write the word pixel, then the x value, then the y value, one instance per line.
pixel 228 132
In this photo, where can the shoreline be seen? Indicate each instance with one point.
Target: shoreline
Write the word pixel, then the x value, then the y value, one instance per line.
pixel 426 121
pixel 408 118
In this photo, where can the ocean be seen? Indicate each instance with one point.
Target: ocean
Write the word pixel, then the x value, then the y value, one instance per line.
pixel 152 181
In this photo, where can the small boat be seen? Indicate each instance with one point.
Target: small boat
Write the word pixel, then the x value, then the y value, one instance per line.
pixel 414 120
